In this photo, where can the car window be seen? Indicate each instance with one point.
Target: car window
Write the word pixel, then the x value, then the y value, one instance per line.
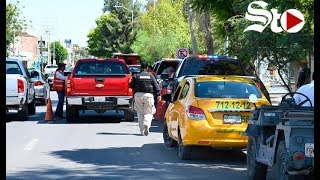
pixel 13 68
pixel 225 89
pixel 197 66
pixel 165 64
pixel 184 91
pixel 100 68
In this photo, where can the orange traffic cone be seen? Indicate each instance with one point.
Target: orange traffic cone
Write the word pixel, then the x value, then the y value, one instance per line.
pixel 49 112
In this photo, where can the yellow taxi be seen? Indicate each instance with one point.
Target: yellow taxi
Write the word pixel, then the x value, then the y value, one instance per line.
pixel 210 111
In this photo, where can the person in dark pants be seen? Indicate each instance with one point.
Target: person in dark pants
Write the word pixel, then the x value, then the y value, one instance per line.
pixel 58 85
pixel 304 74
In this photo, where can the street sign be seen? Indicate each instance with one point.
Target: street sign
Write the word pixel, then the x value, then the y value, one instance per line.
pixel 182 53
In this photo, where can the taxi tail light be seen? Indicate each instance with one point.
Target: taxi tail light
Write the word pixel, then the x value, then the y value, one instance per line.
pixel 195 113
pixel 258 85
pixel 298 156
pixel 20 86
pixel 38 83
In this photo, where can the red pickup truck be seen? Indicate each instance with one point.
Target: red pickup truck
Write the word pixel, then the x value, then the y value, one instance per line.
pixel 99 85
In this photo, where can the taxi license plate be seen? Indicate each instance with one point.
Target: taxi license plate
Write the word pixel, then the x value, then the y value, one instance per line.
pixel 99 99
pixel 231 119
pixel 309 150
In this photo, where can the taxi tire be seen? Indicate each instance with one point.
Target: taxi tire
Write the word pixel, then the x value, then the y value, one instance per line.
pixel 168 141
pixel 129 115
pixel 72 113
pixel 184 151
pixel 256 170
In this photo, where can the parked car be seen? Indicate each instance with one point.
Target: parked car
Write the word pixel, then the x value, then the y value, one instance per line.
pixel 20 93
pixel 210 111
pixel 99 85
pixel 130 59
pixel 50 68
pixel 215 65
pixel 41 86
pixel 163 64
pixel 50 79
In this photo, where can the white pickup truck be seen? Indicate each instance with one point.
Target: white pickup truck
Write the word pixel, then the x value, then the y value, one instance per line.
pixel 20 93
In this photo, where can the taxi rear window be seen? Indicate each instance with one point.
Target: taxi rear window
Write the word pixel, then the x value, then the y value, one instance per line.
pixel 225 89
pixel 198 66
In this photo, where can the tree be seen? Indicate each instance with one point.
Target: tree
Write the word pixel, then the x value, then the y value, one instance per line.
pixel 79 52
pixel 58 52
pixel 113 32
pixel 163 29
pixel 15 24
pixel 279 49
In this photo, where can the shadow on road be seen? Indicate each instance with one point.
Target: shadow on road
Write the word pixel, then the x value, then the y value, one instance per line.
pixel 151 161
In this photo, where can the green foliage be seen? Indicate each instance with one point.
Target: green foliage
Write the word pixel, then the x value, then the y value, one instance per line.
pixel 113 32
pixel 60 53
pixel 163 30
pixel 15 24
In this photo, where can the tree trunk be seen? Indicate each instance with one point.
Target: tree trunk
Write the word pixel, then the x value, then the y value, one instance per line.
pixel 193 38
pixel 207 29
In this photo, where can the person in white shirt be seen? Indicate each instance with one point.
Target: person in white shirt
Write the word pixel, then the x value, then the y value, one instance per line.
pixel 307 90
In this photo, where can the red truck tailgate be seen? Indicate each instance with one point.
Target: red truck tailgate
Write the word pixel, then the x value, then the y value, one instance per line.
pixel 92 77
pixel 101 86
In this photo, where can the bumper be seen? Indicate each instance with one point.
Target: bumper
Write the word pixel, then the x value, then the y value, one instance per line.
pixel 39 92
pixel 104 102
pixel 14 102
pixel 201 133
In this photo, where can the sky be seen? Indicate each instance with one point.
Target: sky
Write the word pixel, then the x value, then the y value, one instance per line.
pixel 65 19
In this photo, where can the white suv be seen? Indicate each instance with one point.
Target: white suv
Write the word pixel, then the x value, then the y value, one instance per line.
pixel 50 68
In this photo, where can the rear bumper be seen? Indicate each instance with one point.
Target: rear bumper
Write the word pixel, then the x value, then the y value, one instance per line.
pixel 39 92
pixel 14 102
pixel 224 136
pixel 107 102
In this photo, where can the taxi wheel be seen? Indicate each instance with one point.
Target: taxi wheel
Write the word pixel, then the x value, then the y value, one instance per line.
pixel 184 151
pixel 256 170
pixel 168 141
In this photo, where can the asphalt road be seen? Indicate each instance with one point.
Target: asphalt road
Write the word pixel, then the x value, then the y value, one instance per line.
pixel 106 147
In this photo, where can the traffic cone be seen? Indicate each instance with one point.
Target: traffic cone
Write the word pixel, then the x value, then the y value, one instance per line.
pixel 49 112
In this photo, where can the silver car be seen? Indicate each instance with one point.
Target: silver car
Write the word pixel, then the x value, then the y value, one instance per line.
pixel 50 79
pixel 41 86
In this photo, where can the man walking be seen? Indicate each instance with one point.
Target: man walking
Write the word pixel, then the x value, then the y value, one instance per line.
pixel 145 87
pixel 58 85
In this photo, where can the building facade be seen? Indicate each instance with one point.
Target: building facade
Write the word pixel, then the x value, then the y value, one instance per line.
pixel 26 48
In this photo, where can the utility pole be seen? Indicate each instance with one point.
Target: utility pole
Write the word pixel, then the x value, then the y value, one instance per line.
pixel 14 50
pixel 41 55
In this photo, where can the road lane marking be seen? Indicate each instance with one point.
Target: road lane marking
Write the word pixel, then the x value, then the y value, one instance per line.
pixel 31 144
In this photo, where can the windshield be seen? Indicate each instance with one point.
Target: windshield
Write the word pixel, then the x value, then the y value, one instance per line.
pixel 100 68
pixel 225 89
pixel 197 66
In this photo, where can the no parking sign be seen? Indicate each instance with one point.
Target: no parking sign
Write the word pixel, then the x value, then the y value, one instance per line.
pixel 182 53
